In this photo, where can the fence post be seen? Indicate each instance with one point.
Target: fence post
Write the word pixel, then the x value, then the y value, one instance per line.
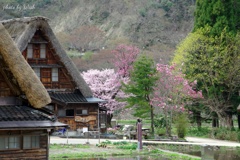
pixel 139 134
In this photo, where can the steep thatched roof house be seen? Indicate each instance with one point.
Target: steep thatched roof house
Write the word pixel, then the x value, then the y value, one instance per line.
pixel 72 99
pixel 23 30
pixel 24 126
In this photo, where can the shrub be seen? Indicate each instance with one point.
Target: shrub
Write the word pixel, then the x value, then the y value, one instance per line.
pixel 120 143
pixel 143 12
pixel 128 146
pixel 160 131
pixel 181 124
pixel 238 136
pixel 159 122
pixel 199 131
pixel 74 54
pixel 225 134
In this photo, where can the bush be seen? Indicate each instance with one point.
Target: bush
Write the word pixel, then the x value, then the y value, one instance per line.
pixel 181 124
pixel 74 54
pixel 159 122
pixel 128 146
pixel 120 143
pixel 143 12
pixel 160 131
pixel 125 145
pixel 238 136
pixel 224 134
pixel 199 132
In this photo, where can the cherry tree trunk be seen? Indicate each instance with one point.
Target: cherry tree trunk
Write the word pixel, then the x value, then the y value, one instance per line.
pixel 109 119
pixel 229 121
pixel 238 118
pixel 215 122
pixel 198 118
pixel 152 120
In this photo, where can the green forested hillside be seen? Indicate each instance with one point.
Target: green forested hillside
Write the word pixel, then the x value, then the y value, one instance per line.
pixel 155 26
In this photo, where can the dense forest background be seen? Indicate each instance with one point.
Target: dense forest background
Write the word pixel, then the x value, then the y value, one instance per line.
pixel 90 29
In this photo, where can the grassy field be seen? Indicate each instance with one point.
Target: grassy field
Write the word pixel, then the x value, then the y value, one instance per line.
pixel 109 149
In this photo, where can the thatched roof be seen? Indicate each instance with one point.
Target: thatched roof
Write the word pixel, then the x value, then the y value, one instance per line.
pixel 22 30
pixel 19 73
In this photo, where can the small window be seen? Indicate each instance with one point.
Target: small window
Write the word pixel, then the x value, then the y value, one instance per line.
pixel 55 74
pixel 61 112
pixel 82 111
pixel 70 112
pixel 31 142
pixel 11 142
pixel 3 144
pixel 37 71
pixel 43 51
pixel 30 51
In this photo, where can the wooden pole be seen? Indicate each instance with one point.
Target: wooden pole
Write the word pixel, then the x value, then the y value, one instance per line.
pixel 139 134
pixel 98 126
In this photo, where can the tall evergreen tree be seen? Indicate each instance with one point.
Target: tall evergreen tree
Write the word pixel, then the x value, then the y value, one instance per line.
pixel 218 14
pixel 141 86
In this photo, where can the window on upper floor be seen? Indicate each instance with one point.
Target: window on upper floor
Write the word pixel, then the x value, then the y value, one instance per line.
pixel 70 112
pixel 82 112
pixel 66 112
pixel 54 74
pixel 36 51
pixel 43 51
pixel 37 71
pixel 46 75
pixel 30 51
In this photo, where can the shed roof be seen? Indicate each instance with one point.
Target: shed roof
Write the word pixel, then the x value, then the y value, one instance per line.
pixel 23 113
pixel 68 97
pixel 26 117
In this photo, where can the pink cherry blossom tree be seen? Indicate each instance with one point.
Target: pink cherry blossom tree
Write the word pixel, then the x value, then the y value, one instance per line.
pixel 172 93
pixel 104 85
pixel 124 56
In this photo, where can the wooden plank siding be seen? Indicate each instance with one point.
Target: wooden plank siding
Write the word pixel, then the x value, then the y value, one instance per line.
pixel 51 59
pixel 34 153
pixel 39 154
pixel 75 122
pixel 5 88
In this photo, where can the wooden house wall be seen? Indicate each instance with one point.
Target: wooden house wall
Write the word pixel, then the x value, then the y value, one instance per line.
pixel 5 90
pixel 79 121
pixel 40 153
pixel 52 60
